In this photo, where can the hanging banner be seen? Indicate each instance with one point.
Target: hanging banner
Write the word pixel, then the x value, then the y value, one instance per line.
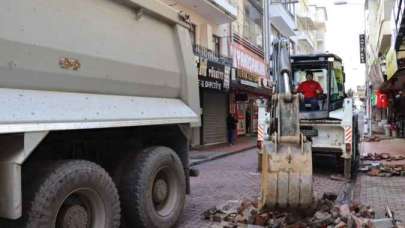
pixel 391 62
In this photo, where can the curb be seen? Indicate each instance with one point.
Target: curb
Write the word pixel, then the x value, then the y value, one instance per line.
pixel 218 156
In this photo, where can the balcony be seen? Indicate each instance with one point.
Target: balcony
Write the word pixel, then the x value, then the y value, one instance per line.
pixel 282 19
pixel 215 11
pixel 211 55
pixel 398 20
pixel 320 36
pixel 303 36
pixel 320 18
pixel 384 27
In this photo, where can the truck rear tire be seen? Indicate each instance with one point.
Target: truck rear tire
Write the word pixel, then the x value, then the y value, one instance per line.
pixel 72 193
pixel 152 188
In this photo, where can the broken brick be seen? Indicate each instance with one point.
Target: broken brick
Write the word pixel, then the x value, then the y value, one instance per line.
pixel 329 196
pixel 344 210
pixel 374 172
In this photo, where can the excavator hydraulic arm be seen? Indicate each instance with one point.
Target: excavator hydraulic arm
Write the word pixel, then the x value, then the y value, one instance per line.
pixel 286 169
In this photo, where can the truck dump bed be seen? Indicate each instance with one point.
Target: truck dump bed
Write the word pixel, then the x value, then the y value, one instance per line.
pixel 113 57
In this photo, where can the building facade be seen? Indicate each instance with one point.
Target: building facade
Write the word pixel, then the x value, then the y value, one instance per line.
pixel 282 21
pixel 249 80
pixel 385 64
pixel 211 36
pixel 229 47
pixel 311 28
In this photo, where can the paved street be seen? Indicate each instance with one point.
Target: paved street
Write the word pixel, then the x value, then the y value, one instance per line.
pixel 380 192
pixel 230 178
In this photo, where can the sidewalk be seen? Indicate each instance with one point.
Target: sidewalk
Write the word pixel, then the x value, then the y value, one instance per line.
pixel 208 153
pixel 381 191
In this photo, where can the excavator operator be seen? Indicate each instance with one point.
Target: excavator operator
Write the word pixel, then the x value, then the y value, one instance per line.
pixel 311 90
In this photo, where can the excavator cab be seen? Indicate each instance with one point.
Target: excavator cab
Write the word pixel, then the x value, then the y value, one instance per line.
pixel 327 70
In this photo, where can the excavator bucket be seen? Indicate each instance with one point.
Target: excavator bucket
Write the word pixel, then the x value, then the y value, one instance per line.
pixel 286 180
pixel 286 155
pixel 286 158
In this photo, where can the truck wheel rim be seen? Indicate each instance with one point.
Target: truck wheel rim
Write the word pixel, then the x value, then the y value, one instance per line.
pixel 165 191
pixel 82 208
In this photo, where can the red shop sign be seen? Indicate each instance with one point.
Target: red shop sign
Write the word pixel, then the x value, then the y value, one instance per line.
pixel 382 100
pixel 247 60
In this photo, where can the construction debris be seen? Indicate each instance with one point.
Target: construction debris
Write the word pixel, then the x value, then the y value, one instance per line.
pixel 325 213
pixel 373 138
pixel 339 177
pixel 383 170
pixel 382 156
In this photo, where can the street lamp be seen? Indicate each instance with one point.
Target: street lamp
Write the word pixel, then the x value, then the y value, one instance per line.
pixel 340 3
pixel 283 1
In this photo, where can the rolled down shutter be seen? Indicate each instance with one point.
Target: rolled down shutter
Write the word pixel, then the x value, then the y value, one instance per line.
pixel 214 117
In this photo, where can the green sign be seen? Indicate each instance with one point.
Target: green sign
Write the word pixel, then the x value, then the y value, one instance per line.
pixel 373 99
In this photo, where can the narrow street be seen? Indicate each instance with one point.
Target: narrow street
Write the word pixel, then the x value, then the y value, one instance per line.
pixel 233 178
pixel 269 113
pixel 381 190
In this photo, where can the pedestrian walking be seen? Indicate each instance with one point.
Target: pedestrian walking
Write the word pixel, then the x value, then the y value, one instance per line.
pixel 248 122
pixel 231 122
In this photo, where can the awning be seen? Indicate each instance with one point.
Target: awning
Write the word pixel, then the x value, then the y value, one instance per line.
pixel 237 85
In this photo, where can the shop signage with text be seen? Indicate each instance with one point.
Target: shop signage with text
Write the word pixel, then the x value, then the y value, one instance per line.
pixel 213 75
pixel 247 60
pixel 362 40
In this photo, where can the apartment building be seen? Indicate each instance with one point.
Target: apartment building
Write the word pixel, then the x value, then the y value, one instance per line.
pixel 311 28
pixel 385 62
pixel 210 22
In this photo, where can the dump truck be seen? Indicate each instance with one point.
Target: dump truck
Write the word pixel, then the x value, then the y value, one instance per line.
pixel 99 99
pixel 296 127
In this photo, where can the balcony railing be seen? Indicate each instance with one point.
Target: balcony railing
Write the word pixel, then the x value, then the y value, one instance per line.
pixel 289 5
pixel 214 11
pixel 230 6
pixel 211 55
pixel 399 8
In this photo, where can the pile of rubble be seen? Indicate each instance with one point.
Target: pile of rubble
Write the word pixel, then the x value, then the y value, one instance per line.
pixel 324 213
pixel 383 170
pixel 382 156
pixel 373 138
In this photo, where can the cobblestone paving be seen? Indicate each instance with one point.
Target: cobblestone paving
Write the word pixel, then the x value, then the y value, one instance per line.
pixel 233 178
pixel 379 192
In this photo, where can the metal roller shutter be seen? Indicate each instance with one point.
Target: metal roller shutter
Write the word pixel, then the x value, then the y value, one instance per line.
pixel 214 117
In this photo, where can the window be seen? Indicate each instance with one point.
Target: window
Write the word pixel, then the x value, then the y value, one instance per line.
pixel 337 82
pixel 192 34
pixel 253 23
pixel 320 75
pixel 217 44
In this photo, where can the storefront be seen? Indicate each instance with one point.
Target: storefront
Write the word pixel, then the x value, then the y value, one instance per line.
pixel 214 82
pixel 386 97
pixel 248 83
